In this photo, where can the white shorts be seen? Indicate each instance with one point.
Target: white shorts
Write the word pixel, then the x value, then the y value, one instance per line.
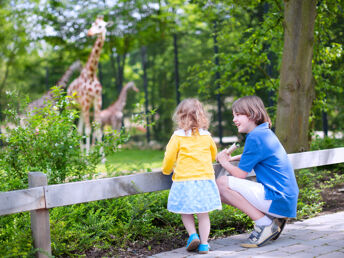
pixel 253 192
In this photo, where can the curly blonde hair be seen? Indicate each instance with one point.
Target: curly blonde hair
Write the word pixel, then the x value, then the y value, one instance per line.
pixel 190 114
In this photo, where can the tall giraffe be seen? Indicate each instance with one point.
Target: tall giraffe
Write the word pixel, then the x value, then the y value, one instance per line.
pixel 114 113
pixel 62 83
pixel 87 87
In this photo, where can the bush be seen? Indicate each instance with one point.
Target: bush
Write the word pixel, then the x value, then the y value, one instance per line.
pixel 48 142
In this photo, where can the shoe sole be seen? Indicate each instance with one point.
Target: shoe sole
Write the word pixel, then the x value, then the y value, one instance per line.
pixel 262 243
pixel 205 249
pixel 281 227
pixel 193 245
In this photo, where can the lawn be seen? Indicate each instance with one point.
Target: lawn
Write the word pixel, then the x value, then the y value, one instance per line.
pixel 128 161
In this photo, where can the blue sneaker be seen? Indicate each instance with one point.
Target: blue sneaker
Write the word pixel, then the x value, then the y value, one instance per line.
pixel 203 248
pixel 193 242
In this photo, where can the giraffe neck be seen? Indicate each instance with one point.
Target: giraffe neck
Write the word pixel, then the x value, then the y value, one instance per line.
pixel 120 102
pixel 66 76
pixel 92 62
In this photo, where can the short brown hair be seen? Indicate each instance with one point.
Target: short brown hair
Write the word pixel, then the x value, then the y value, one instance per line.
pixel 190 114
pixel 253 107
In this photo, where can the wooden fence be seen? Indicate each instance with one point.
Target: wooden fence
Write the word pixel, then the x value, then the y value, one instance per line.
pixel 40 196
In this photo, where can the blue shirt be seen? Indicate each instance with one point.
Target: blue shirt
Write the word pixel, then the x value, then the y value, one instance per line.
pixel 264 153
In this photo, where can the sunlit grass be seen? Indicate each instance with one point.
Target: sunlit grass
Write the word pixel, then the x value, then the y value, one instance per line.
pixel 127 161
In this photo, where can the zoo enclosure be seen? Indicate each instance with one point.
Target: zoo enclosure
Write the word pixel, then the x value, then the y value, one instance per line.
pixel 40 196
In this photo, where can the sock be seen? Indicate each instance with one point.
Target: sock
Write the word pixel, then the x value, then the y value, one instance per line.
pixel 264 221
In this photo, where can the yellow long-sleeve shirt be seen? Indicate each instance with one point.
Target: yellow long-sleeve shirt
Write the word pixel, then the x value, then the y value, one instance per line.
pixel 190 156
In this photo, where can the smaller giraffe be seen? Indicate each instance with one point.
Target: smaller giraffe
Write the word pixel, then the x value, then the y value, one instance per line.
pixel 62 83
pixel 114 113
pixel 42 102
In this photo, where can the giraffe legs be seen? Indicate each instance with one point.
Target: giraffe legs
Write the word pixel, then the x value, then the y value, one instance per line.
pixel 97 134
pixel 81 131
pixel 84 120
pixel 88 135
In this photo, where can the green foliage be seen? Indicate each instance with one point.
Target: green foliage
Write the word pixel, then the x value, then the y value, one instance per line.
pixel 229 221
pixel 121 162
pixel 122 221
pixel 311 182
pixel 15 235
pixel 48 142
pixel 319 143
pixel 310 201
pixel 111 223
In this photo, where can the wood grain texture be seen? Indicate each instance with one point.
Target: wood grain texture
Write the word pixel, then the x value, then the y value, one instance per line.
pixel 22 200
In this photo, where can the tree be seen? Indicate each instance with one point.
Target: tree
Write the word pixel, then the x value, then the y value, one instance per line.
pixel 297 84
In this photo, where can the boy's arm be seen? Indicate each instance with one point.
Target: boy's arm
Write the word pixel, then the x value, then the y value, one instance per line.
pixel 235 158
pixel 224 160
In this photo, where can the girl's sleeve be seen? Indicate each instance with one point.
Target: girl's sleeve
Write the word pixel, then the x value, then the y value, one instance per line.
pixel 213 149
pixel 171 154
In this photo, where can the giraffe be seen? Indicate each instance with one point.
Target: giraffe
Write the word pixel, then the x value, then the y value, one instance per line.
pixel 114 113
pixel 87 87
pixel 41 102
pixel 62 83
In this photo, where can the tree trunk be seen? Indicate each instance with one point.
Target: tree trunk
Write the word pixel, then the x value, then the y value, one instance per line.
pixel 176 66
pixel 145 86
pixel 296 91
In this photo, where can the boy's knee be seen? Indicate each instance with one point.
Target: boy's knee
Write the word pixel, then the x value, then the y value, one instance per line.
pixel 222 183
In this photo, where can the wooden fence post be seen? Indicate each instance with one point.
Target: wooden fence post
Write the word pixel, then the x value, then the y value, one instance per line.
pixel 40 225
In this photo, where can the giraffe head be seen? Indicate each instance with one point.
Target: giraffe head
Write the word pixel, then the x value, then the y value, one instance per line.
pixel 131 85
pixel 98 27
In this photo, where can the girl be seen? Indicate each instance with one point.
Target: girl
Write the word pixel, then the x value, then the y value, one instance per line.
pixel 190 153
pixel 274 196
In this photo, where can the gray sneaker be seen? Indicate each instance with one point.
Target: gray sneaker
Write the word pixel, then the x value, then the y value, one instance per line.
pixel 261 235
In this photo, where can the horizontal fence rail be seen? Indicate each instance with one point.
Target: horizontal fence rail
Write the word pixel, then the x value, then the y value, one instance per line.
pixel 22 200
pixel 51 196
pixel 100 189
pixel 316 158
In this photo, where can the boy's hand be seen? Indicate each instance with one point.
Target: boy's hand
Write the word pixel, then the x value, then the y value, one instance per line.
pixel 223 157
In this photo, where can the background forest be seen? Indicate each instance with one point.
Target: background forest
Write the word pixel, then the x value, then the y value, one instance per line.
pixel 216 51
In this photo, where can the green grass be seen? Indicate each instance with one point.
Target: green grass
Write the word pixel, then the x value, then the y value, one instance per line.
pixel 126 161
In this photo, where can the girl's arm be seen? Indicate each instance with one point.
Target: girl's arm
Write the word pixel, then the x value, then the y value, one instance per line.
pixel 213 149
pixel 224 160
pixel 170 157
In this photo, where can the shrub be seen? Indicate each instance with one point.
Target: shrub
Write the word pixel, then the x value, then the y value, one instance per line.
pixel 48 142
